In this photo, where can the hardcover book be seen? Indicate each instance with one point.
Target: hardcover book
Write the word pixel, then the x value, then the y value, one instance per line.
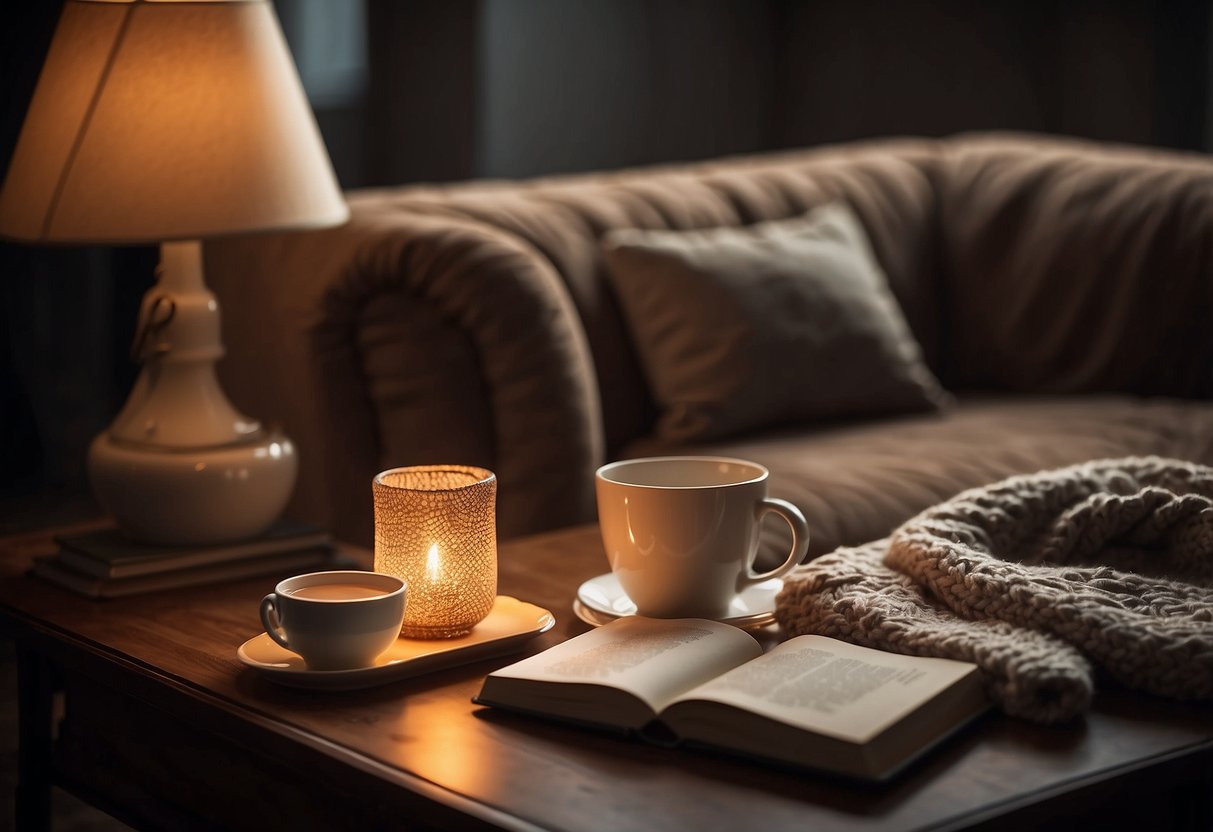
pixel 809 702
pixel 108 553
pixel 53 569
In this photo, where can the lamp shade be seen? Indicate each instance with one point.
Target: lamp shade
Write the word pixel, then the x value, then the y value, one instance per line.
pixel 163 120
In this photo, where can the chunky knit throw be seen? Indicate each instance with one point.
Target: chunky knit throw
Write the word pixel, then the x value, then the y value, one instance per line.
pixel 1039 580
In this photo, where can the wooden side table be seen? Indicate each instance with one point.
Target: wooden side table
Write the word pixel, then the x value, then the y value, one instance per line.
pixel 163 727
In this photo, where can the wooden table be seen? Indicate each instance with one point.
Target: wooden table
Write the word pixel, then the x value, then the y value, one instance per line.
pixel 140 706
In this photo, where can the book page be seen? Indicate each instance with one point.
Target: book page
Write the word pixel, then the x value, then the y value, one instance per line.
pixel 653 659
pixel 832 687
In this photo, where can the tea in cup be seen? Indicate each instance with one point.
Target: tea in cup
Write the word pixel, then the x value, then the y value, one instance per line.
pixel 335 620
pixel 681 533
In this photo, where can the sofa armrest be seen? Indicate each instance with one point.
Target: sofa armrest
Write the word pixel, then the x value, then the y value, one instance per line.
pixel 404 339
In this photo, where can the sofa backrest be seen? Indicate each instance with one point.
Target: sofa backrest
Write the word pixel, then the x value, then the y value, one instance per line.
pixel 474 322
pixel 1072 267
pixel 563 218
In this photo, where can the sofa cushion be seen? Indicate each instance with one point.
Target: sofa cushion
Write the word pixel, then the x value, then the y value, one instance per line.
pixel 774 323
pixel 857 482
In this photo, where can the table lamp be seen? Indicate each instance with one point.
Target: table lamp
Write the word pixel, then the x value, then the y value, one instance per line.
pixel 166 121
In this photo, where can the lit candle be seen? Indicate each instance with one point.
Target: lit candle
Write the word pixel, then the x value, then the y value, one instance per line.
pixel 435 527
pixel 433 568
pixel 439 590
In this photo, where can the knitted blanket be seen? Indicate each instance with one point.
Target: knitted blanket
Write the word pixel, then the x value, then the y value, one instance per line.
pixel 1041 580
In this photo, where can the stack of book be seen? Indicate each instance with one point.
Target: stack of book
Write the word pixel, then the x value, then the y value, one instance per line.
pixel 104 563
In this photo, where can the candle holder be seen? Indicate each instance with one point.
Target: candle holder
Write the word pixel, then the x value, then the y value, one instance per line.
pixel 436 527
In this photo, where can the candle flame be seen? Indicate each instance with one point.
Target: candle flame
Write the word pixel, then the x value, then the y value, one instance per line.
pixel 433 566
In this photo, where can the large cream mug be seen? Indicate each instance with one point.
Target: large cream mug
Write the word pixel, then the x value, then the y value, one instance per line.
pixel 681 533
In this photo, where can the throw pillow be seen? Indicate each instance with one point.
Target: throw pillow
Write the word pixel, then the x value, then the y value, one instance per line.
pixel 779 322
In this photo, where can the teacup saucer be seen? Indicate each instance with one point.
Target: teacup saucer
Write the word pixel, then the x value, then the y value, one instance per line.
pixel 509 625
pixel 601 600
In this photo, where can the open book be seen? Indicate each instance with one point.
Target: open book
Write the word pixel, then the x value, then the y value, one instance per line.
pixel 811 701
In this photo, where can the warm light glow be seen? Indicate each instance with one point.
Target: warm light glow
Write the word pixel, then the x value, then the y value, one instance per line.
pixel 433 566
pixel 436 527
pixel 458 757
pixel 171 122
pixel 167 121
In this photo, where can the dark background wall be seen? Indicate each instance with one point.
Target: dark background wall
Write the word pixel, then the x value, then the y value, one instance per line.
pixel 433 90
pixel 610 83
pixel 524 87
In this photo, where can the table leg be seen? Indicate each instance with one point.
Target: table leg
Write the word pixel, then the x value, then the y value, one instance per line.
pixel 35 733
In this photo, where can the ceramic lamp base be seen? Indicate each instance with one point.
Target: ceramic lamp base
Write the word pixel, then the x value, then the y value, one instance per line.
pixel 193 496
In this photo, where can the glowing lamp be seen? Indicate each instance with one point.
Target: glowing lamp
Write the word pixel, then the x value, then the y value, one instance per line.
pixel 172 122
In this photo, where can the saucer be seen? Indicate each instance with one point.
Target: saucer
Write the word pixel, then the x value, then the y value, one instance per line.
pixel 509 625
pixel 601 600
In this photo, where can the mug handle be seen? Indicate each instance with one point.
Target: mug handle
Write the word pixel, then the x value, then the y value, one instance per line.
pixel 800 539
pixel 269 618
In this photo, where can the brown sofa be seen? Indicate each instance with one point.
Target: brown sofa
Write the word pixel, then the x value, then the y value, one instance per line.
pixel 1062 290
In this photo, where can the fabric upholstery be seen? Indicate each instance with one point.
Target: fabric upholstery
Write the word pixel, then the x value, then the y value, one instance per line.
pixel 451 343
pixel 856 482
pixel 779 322
pixel 888 184
pixel 1076 267
pixel 473 323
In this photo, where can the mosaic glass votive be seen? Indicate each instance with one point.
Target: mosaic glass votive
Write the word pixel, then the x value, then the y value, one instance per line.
pixel 436 527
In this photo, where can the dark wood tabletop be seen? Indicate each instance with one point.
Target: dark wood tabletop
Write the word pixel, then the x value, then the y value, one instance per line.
pixel 164 725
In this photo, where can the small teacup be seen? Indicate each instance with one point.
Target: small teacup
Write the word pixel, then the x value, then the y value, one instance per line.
pixel 681 533
pixel 335 620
